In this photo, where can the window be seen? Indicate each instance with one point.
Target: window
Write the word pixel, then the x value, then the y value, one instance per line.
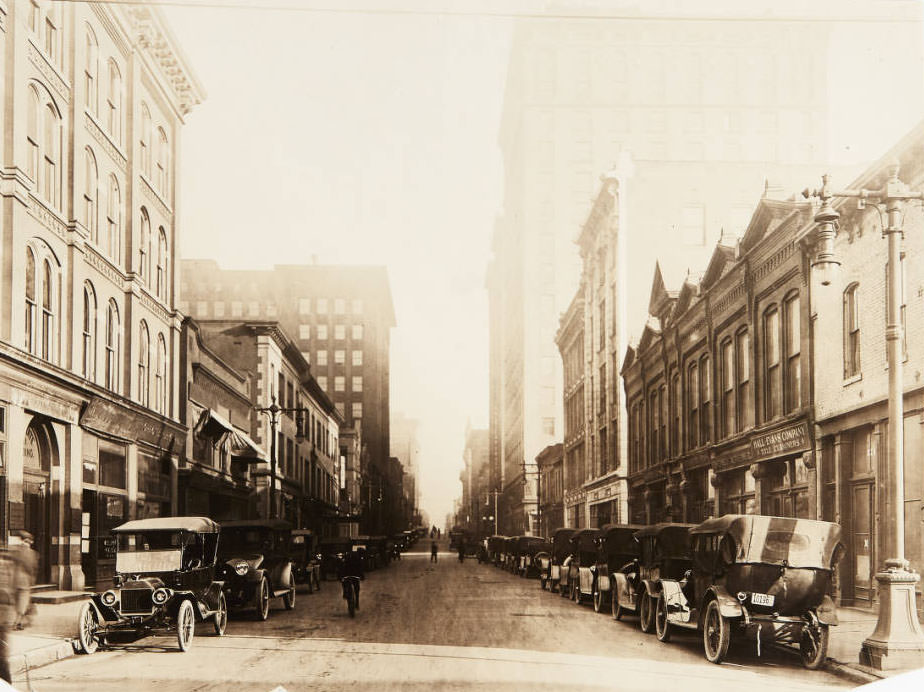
pixel 144 247
pixel 307 356
pixel 144 363
pixel 160 380
pixel 114 220
pixel 662 417
pixel 322 306
pixel 219 308
pixel 322 382
pixel 792 345
pixel 772 376
pixel 113 342
pixel 357 331
pixel 601 388
pixel 89 332
pixel 339 383
pixel 693 407
pixel 51 147
pixel 114 103
pixel 53 35
pixel 90 194
pixel 654 453
pixel 548 425
pixel 322 357
pixel 32 133
pixel 727 375
pixel 145 141
pixel 357 357
pixel 48 312
pixel 253 308
pixel 202 308
pixel 304 331
pixel 161 175
pixel 705 400
pixel 357 383
pixel 357 409
pixel 357 306
pixel 339 331
pixel 237 308
pixel 851 331
pixel 304 306
pixel 339 306
pixel 91 72
pixel 743 372
pixel 339 357
pixel 112 465
pixel 601 322
pixel 162 265
pixel 321 331
pixel 30 341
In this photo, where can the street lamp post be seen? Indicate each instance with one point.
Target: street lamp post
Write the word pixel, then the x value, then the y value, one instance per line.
pixel 897 642
pixel 273 411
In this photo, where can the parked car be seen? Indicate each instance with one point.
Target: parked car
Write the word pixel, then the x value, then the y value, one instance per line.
pixel 363 544
pixel 257 564
pixel 306 559
pixel 539 559
pixel 664 553
pixel 332 551
pixel 165 583
pixel 581 572
pixel 617 551
pixel 760 576
pixel 496 548
pixel 557 576
pixel 526 547
pixel 510 552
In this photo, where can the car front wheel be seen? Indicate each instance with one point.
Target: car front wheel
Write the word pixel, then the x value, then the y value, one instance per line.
pixel 288 598
pixel 88 625
pixel 716 633
pixel 813 645
pixel 261 599
pixel 645 616
pixel 185 625
pixel 662 626
pixel 221 615
pixel 617 609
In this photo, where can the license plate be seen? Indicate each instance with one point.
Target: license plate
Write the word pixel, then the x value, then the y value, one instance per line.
pixel 762 599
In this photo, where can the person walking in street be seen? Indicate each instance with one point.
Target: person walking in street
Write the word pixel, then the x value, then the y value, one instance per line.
pixel 461 551
pixel 17 571
pixel 433 551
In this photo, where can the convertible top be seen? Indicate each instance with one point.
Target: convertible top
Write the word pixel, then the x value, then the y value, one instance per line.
pixel 673 539
pixel 620 538
pixel 191 524
pixel 278 524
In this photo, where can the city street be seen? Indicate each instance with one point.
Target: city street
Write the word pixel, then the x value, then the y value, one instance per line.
pixel 420 625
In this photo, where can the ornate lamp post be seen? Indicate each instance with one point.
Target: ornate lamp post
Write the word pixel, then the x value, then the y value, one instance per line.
pixel 273 411
pixel 897 642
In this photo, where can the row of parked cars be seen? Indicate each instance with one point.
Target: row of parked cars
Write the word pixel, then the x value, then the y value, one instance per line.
pixel 767 578
pixel 175 572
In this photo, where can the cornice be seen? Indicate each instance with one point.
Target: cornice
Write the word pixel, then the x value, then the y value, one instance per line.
pixel 48 218
pixel 112 149
pixel 49 72
pixel 114 31
pixel 15 183
pixel 154 198
pixel 104 266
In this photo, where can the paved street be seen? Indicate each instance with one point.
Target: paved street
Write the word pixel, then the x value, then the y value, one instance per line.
pixel 445 626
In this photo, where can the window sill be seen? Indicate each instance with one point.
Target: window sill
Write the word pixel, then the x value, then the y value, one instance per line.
pixel 852 379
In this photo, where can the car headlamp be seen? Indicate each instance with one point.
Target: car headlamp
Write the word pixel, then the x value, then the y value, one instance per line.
pixel 109 598
pixel 160 596
pixel 241 568
pixel 742 596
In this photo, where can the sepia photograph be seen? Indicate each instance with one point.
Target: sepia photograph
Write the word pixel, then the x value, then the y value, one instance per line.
pixel 461 345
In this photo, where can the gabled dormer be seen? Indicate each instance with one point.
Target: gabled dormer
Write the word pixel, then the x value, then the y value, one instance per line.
pixel 689 293
pixel 662 299
pixel 723 257
pixel 650 334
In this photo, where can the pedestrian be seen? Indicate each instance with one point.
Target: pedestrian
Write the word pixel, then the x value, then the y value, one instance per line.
pixel 17 570
pixel 461 552
pixel 433 551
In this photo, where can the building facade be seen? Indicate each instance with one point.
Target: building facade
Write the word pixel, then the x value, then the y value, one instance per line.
pixel 405 445
pixel 719 386
pixel 550 463
pixel 94 102
pixel 570 340
pixel 476 511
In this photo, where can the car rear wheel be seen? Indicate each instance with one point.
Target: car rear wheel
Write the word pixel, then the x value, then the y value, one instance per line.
pixel 261 599
pixel 317 581
pixel 716 633
pixel 598 600
pixel 288 598
pixel 813 645
pixel 220 620
pixel 618 611
pixel 185 625
pixel 662 626
pixel 645 614
pixel 88 625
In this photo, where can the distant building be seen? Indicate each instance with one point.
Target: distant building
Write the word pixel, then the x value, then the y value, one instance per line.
pixel 551 489
pixel 477 504
pixel 570 340
pixel 405 446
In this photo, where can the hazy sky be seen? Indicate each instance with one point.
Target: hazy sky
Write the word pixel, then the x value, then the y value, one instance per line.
pixel 362 139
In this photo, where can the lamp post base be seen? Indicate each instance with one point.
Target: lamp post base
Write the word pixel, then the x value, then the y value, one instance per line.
pixel 897 642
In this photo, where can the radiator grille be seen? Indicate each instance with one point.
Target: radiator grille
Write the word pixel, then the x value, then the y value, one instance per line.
pixel 137 601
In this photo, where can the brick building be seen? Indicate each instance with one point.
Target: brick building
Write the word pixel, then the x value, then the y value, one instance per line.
pixel 550 463
pixel 570 340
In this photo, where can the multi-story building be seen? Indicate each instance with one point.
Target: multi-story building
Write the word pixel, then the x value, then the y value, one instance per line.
pixel 550 464
pixel 341 318
pixel 476 489
pixel 576 102
pixel 570 340
pixel 351 471
pixel 718 387
pixel 406 446
pixel 94 100
pixel 299 480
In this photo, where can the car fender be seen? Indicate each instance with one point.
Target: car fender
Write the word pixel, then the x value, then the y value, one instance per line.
pixel 102 610
pixel 827 611
pixel 729 606
pixel 651 586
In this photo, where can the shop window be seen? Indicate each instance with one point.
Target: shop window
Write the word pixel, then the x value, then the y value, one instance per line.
pixel 112 465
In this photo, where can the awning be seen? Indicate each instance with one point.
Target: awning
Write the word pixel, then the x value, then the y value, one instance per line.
pixel 243 447
pixel 213 425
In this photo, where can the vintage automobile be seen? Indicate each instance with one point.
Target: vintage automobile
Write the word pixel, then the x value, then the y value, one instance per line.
pixel 767 577
pixel 257 564
pixel 557 574
pixel 332 551
pixel 540 559
pixel 664 553
pixel 617 551
pixel 510 553
pixel 306 560
pixel 582 571
pixel 165 582
pixel 496 549
pixel 526 547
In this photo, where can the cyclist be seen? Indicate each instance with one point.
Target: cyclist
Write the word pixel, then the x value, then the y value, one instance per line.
pixel 351 566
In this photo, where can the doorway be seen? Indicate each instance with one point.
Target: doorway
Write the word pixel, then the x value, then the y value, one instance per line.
pixel 38 451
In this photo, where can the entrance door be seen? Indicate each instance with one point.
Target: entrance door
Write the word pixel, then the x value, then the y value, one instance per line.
pixel 36 508
pixel 860 539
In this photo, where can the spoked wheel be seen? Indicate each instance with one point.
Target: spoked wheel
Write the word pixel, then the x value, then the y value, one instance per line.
pixel 351 601
pixel 185 626
pixel 288 598
pixel 813 645
pixel 662 626
pixel 542 582
pixel 261 599
pixel 87 625
pixel 576 593
pixel 317 581
pixel 220 620
pixel 564 590
pixel 618 610
pixel 310 581
pixel 645 614
pixel 598 600
pixel 716 633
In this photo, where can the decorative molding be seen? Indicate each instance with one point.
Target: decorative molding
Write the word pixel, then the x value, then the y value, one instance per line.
pixel 47 217
pixel 775 260
pixel 15 183
pixel 104 266
pixel 49 72
pixel 151 195
pixel 103 139
pixel 3 15
pixel 729 298
pixel 154 306
pixel 115 33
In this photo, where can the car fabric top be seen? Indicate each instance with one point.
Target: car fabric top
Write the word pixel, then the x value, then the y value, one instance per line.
pixel 191 524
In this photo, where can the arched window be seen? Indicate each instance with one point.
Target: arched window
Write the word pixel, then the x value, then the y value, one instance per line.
pixel 851 331
pixel 163 161
pixel 53 34
pixel 145 140
pixel 30 341
pixel 114 220
pixel 91 72
pixel 144 363
pixel 773 385
pixel 89 332
pixel 114 102
pixel 50 156
pixel 792 345
pixel 160 380
pixel 48 313
pixel 113 344
pixel 32 133
pixel 144 247
pixel 162 264
pixel 90 194
pixel 693 406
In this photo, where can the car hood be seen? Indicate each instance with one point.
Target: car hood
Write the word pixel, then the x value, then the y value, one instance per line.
pixel 142 583
pixel 253 560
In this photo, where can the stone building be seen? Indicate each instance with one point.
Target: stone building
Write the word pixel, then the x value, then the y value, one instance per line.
pixel 550 463
pixel 570 340
pixel 95 97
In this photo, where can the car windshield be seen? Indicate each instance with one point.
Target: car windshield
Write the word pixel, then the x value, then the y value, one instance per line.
pixel 151 551
pixel 249 539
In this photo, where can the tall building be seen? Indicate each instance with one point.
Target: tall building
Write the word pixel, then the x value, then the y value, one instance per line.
pixel 406 447
pixel 701 112
pixel 477 505
pixel 341 318
pixel 90 436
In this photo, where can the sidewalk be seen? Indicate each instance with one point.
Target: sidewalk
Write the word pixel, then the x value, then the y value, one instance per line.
pixel 46 640
pixel 856 624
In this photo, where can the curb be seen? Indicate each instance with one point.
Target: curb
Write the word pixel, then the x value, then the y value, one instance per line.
pixel 851 673
pixel 41 656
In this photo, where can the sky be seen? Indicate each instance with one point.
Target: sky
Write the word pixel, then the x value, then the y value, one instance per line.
pixel 359 139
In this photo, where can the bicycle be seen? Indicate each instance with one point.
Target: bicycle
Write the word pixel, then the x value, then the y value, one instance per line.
pixel 351 593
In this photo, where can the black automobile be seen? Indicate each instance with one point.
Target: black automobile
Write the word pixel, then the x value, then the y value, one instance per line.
pixel 257 564
pixel 306 560
pixel 165 583
pixel 332 551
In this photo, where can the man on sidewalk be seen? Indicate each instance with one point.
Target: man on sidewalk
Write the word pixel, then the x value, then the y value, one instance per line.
pixel 17 570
